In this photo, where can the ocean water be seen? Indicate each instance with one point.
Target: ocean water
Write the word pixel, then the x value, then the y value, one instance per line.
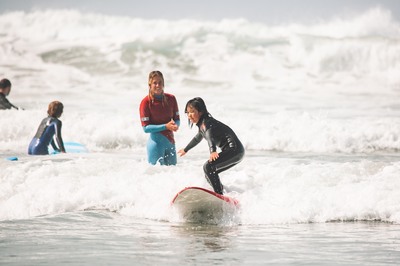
pixel 316 107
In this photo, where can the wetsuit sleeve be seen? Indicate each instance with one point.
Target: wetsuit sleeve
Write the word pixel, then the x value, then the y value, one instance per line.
pixel 57 136
pixel 15 107
pixel 5 103
pixel 209 137
pixel 154 128
pixel 144 111
pixel 196 140
pixel 175 110
pixel 53 144
pixel 158 128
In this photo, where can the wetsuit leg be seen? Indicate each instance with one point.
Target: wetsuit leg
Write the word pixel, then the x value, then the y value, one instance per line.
pixel 170 154
pixel 212 177
pixel 37 148
pixel 160 149
pixel 154 152
pixel 32 145
pixel 226 160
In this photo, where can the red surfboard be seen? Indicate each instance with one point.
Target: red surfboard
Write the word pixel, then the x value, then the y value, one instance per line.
pixel 196 204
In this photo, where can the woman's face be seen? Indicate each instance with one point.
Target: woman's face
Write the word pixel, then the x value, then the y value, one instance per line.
pixel 156 86
pixel 193 114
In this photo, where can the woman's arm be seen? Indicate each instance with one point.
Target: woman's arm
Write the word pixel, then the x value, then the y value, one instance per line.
pixel 154 128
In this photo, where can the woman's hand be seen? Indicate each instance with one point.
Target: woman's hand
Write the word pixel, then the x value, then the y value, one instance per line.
pixel 181 152
pixel 213 156
pixel 171 125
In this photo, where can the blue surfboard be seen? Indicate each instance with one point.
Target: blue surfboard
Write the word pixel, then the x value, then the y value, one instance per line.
pixel 70 147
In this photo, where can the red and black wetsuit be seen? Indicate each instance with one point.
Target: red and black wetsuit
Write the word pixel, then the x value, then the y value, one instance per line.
pixel 218 135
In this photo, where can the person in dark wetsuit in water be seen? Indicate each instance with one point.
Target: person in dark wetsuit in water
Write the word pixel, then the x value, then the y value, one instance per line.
pixel 49 132
pixel 5 88
pixel 218 135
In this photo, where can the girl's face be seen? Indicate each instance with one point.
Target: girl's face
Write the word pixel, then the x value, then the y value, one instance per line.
pixel 156 86
pixel 193 114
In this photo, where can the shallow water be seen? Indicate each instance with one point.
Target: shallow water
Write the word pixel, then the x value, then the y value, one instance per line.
pixel 114 229
pixel 101 237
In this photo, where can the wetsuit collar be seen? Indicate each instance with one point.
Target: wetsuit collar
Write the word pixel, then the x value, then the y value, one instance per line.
pixel 201 119
pixel 158 97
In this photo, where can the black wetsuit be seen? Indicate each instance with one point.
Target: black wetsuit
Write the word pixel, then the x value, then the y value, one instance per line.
pixel 49 132
pixel 219 135
pixel 5 104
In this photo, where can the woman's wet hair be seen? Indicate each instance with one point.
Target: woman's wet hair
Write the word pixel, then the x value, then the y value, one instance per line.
pixel 5 83
pixel 154 74
pixel 55 109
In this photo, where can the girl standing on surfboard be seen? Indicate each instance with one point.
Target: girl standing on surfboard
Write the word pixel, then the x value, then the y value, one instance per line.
pixel 218 135
pixel 49 132
pixel 159 115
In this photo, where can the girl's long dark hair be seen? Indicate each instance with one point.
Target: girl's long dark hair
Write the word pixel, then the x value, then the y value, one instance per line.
pixel 198 104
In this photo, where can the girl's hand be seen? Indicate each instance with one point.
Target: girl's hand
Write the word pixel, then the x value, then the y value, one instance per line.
pixel 213 156
pixel 181 152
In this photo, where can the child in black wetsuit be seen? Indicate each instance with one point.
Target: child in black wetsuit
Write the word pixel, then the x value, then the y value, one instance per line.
pixel 218 135
pixel 49 132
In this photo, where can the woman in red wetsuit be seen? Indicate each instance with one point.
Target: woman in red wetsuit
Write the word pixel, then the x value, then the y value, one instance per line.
pixel 218 135
pixel 159 115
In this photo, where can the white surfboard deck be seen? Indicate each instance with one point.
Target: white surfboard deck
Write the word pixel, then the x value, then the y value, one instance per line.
pixel 195 204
